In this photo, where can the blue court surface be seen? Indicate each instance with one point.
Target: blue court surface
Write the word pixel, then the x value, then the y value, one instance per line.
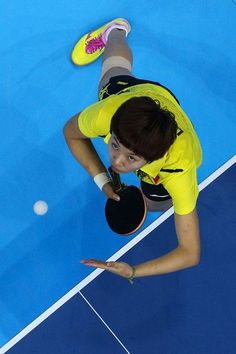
pixel 49 301
pixel 193 311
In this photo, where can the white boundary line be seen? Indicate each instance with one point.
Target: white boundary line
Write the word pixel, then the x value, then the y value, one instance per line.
pixel 217 173
pixel 109 329
pixel 117 255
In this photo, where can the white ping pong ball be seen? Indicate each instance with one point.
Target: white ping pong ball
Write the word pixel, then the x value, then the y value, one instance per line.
pixel 40 207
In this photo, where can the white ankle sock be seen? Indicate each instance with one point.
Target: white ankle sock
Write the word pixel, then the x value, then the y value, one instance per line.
pixel 110 28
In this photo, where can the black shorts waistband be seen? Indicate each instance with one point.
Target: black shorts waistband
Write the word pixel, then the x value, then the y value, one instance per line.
pixel 118 83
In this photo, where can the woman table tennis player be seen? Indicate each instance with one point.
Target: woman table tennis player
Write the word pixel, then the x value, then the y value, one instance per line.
pixel 147 132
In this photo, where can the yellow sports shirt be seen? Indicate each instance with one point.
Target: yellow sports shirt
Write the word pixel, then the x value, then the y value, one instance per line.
pixel 177 169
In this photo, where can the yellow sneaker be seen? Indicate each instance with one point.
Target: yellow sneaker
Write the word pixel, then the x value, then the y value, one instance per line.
pixel 92 44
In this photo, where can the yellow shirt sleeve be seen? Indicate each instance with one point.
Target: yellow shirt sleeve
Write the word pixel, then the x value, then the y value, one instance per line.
pixel 184 191
pixel 95 120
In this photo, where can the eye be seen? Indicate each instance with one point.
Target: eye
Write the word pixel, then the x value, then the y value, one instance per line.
pixel 115 146
pixel 131 158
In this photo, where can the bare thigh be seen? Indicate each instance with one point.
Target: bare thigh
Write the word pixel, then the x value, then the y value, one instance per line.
pixel 158 206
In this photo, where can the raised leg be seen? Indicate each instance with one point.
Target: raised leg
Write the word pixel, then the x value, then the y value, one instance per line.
pixel 117 57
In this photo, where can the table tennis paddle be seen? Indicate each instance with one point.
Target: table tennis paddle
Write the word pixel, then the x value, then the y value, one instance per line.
pixel 126 216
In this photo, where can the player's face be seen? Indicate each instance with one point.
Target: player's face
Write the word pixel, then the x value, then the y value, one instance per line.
pixel 122 159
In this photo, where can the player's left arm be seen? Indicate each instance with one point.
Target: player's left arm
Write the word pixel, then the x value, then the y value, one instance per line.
pixel 188 234
pixel 185 255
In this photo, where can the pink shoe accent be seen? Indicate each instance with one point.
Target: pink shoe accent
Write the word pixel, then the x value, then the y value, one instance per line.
pixel 94 44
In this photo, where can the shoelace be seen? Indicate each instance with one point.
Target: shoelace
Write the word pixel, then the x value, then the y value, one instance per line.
pixel 94 44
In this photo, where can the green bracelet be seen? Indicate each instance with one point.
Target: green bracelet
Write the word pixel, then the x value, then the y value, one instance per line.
pixel 131 278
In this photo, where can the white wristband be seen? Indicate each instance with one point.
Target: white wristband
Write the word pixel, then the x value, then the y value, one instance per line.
pixel 101 179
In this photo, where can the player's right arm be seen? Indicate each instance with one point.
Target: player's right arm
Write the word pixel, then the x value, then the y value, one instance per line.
pixel 82 148
pixel 84 152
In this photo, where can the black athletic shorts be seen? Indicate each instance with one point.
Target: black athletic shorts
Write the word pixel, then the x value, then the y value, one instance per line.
pixel 155 192
pixel 121 82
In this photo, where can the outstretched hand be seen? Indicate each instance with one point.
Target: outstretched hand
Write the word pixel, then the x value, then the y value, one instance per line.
pixel 120 268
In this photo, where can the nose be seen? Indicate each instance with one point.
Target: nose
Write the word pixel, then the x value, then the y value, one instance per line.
pixel 118 161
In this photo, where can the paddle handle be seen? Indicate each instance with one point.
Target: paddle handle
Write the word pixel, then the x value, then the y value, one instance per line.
pixel 117 184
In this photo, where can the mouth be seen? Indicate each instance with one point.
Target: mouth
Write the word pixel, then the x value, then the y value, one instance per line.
pixel 116 170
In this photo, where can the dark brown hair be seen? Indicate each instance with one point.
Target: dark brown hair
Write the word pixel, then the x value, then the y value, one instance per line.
pixel 144 128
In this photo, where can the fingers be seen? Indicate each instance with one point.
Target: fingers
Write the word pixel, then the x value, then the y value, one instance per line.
pixel 97 264
pixel 108 190
pixel 92 262
pixel 118 268
pixel 116 197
